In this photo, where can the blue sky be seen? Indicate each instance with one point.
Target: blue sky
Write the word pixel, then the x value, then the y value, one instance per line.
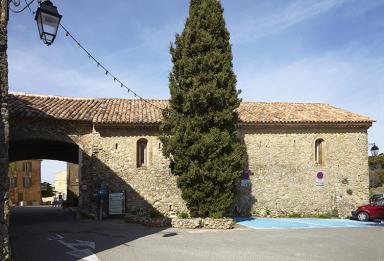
pixel 329 51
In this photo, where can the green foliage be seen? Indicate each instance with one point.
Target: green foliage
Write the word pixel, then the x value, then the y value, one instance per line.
pixel 376 167
pixel 294 215
pixel 182 215
pixel 49 192
pixel 373 191
pixel 12 166
pixel 200 125
pixel 216 215
pixel 374 160
pixel 153 213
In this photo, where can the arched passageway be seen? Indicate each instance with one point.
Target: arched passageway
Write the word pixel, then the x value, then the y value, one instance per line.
pixel 43 149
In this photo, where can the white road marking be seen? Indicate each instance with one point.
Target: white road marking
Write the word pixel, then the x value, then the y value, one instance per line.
pixel 84 254
pixel 84 243
pixel 55 237
pixel 308 223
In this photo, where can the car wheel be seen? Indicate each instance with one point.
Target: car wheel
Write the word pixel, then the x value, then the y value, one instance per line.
pixel 362 216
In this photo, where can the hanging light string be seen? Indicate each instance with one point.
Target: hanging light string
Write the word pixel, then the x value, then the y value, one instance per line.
pixel 107 71
pixel 115 78
pixel 99 64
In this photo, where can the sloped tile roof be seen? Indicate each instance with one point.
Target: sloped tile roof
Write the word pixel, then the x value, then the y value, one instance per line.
pixel 127 111
pixel 278 112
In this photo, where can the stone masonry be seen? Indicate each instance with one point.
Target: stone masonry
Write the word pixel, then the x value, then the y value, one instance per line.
pixel 4 206
pixel 281 163
pixel 280 140
pixel 146 187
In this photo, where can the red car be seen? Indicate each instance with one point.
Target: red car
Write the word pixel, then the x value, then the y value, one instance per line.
pixel 372 211
pixel 376 197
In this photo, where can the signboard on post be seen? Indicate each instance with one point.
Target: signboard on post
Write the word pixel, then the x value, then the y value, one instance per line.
pixel 116 203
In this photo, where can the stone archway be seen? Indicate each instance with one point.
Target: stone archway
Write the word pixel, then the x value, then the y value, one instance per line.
pixel 67 141
pixel 43 149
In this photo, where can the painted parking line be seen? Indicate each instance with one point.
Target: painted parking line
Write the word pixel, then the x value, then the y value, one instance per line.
pixel 300 223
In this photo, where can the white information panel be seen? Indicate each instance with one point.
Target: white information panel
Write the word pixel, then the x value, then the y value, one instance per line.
pixel 116 203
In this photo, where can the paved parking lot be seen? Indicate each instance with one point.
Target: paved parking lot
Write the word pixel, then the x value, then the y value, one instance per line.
pixel 47 233
pixel 297 223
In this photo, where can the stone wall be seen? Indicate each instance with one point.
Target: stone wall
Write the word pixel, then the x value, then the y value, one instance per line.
pixel 281 162
pixel 183 223
pixel 76 133
pixel 73 184
pixel 282 168
pixel 4 208
pixel 149 188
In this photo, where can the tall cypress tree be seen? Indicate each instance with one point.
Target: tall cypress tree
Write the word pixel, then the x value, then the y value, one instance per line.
pixel 200 125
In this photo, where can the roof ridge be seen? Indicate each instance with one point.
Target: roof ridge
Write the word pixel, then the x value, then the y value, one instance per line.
pixel 120 110
pixel 50 96
pixel 127 99
pixel 301 103
pixel 154 100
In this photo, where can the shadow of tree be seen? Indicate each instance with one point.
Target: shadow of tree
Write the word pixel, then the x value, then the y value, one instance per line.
pixel 244 199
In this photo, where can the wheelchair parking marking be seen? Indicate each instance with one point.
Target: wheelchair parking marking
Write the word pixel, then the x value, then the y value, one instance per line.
pixel 302 223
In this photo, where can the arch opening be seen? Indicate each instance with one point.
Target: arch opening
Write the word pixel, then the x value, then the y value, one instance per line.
pixel 43 149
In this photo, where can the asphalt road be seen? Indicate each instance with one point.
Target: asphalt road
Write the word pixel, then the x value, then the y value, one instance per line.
pixel 53 234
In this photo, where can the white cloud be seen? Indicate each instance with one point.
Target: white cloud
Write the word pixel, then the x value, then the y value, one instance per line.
pixel 252 28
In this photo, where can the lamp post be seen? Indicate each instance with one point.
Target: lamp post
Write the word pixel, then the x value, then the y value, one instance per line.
pixel 374 150
pixel 47 18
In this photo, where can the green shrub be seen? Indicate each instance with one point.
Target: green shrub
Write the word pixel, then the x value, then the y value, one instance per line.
pixel 216 215
pixel 182 215
pixel 294 215
pixel 153 213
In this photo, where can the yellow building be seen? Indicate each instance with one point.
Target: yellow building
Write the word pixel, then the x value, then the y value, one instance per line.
pixel 25 182
pixel 61 184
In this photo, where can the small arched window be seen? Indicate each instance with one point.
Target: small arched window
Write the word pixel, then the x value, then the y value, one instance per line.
pixel 142 157
pixel 319 151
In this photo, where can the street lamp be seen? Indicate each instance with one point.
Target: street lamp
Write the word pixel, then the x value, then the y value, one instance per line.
pixel 47 18
pixel 374 150
pixel 48 21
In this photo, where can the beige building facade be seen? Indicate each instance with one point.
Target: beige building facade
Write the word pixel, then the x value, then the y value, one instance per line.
pixel 25 182
pixel 61 184
pixel 302 158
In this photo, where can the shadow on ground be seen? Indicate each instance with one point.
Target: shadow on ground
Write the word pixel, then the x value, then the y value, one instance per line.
pixel 50 233
pixel 36 231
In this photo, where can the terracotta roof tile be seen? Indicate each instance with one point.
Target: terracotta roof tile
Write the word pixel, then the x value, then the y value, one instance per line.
pixel 123 111
pixel 278 112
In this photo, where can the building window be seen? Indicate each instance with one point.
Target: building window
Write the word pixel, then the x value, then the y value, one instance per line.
pixel 142 157
pixel 319 151
pixel 13 182
pixel 27 182
pixel 20 196
pixel 27 166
